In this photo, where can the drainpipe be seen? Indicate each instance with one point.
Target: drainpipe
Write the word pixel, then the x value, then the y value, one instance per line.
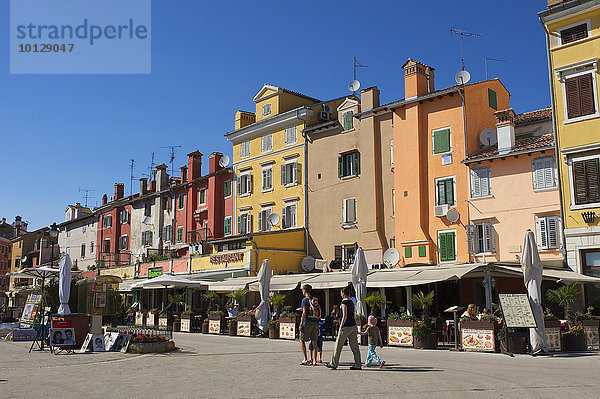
pixel 305 174
pixel 255 249
pixel 464 112
pixel 556 146
pixel 379 220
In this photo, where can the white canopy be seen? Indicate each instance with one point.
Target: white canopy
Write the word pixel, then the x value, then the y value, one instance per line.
pixel 323 281
pixel 559 275
pixel 264 282
pixel 532 276
pixel 285 282
pixel 42 272
pixel 409 276
pixel 360 270
pixel 230 284
pixel 169 281
pixel 64 285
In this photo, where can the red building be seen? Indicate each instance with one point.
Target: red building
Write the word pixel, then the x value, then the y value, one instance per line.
pixel 4 266
pixel 114 229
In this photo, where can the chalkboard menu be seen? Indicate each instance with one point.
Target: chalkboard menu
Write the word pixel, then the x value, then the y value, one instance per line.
pixel 517 310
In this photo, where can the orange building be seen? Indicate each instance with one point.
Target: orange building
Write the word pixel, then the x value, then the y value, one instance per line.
pixel 433 132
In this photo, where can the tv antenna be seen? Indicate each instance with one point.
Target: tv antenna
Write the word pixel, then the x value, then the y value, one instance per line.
pixel 490 59
pixel 172 160
pixel 462 34
pixel 151 168
pixel 86 195
pixel 131 177
pixel 357 65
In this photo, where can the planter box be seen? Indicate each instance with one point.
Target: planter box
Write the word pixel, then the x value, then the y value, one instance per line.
pixel 163 322
pixel 232 330
pixel 140 319
pixel 478 336
pixel 591 333
pixel 273 333
pixel 205 328
pixel 151 319
pixel 288 327
pixel 574 342
pixel 244 325
pixel 553 335
pixel 187 321
pixel 517 345
pixel 399 332
pixel 216 324
pixel 151 347
pixel 428 342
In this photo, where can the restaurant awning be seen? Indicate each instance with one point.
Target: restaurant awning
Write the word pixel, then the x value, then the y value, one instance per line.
pixel 323 281
pixel 168 281
pixel 230 284
pixel 125 286
pixel 560 275
pixel 285 282
pixel 219 274
pixel 409 276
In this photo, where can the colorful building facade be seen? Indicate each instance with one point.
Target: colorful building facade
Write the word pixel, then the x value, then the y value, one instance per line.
pixel 113 229
pixel 77 236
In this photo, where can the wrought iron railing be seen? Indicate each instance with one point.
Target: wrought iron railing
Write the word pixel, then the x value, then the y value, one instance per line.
pixel 111 259
pixel 166 332
pixel 198 236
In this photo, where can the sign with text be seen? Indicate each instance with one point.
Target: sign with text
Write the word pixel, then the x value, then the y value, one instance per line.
pixel 155 272
pixel 517 310
pixel 222 258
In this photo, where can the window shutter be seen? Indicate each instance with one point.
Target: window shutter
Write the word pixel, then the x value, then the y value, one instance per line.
pixel 579 182
pixel 586 94
pixel 572 94
pixel 449 191
pixel 352 209
pixel 441 141
pixel 492 98
pixel 488 229
pixel 340 166
pixel 422 251
pixel 283 217
pixel 475 184
pixel 293 213
pixel 470 238
pixel 239 185
pixel 283 175
pixel 485 181
pixel 552 232
pixel 260 221
pixel 441 192
pixel 572 34
pixel 538 173
pixel 356 162
pixel 592 171
pixel 248 223
pixel 143 237
pixel 337 250
pixel 392 153
pixel 344 211
pixel 239 224
pixel 249 184
pixel 543 236
pixel 442 247
pixel 548 172
pixel 294 168
pixel 450 253
pixel 408 252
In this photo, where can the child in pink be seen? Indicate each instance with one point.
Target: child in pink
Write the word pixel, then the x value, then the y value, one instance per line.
pixel 374 339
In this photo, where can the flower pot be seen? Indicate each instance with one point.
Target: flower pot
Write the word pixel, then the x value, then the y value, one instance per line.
pixel 245 325
pixel 516 345
pixel 205 328
pixel 427 342
pixel 273 333
pixel 574 342
pixel 399 332
pixel 478 336
pixel 288 327
pixel 553 334
pixel 216 324
pixel 592 332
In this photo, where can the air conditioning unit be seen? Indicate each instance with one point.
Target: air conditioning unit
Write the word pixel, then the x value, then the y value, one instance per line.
pixel 324 116
pixel 440 210
pixel 327 108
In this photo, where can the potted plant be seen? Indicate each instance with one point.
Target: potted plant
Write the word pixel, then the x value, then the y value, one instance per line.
pixel 376 301
pixel 232 326
pixel 216 321
pixel 516 344
pixel 422 336
pixel 423 302
pixel 245 321
pixel 399 328
pixel 590 325
pixel 273 326
pixel 552 330
pixel 278 301
pixel 288 323
pixel 187 320
pixel 565 296
pixel 479 335
pixel 574 339
pixel 238 296
pixel 205 326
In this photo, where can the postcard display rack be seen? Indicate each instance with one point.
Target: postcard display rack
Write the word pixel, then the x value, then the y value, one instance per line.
pixel 517 313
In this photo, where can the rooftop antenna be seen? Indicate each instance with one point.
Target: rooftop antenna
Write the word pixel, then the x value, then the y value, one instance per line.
pixel 355 84
pixel 172 147
pixel 490 59
pixel 131 177
pixel 151 168
pixel 462 34
pixel 86 195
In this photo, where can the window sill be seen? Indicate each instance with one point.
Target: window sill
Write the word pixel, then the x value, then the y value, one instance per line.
pixel 541 190
pixel 289 185
pixel 581 118
pixel 349 130
pixel 584 206
pixel 348 225
pixel 291 144
pixel 268 190
pixel 244 195
pixel 485 254
pixel 482 197
pixel 349 177
pixel 442 153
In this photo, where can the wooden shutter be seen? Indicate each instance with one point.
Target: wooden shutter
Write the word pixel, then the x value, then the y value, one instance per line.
pixel 408 252
pixel 283 177
pixel 548 166
pixel 239 224
pixel 261 217
pixel 248 223
pixel 352 209
pixel 586 181
pixel 143 238
pixel 574 33
pixel 441 188
pixel 542 233
pixel 284 217
pixel 348 122
pixel 572 94
pixel 356 162
pixel 294 167
pixel 238 183
pixel 450 253
pixel 249 183
pixel 488 230
pixel 337 250
pixel 492 99
pixel 553 231
pixel 449 190
pixel 442 247
pixel 586 94
pixel 441 141
pixel 470 238
pixel 592 171
pixel 475 184
pixel 340 166
pixel 422 251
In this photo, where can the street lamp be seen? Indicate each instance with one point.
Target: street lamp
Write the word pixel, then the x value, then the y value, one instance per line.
pixel 53 234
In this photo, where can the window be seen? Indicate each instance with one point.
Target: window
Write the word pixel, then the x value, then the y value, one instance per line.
pixel 349 252
pixel 167 233
pixel 244 184
pixel 244 223
pixel 123 217
pixel 480 182
pixel 422 251
pixel 227 226
pixel 68 232
pixel 492 99
pixel 179 234
pixel 91 247
pixel 288 214
pixel 543 173
pixel 548 231
pixel 349 210
pixel 181 201
pixel 408 252
pixel 289 173
pixel 263 222
pixel 480 237
pixel 245 149
pixel 393 202
pixel 349 164
pixel 392 154
pixel 108 221
pixel 106 245
pixel 585 181
pixel 574 33
pixel 82 250
pixel 579 94
pixel 147 209
pixel 267 178
pixel 290 135
pixel 266 108
pixel 147 237
pixel 202 196
pixel 446 246
pixel 83 228
pixel 348 120
pixel 441 141
pixel 445 191
pixel 123 242
pixel 267 142
pixel 227 189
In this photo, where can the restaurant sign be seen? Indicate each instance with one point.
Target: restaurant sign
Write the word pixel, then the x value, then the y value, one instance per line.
pixel 222 258
pixel 155 272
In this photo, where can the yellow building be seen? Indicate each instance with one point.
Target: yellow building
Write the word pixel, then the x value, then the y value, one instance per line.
pixel 269 161
pixel 573 41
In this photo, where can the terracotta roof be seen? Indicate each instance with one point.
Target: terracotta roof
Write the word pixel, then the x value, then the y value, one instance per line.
pixel 534 116
pixel 529 144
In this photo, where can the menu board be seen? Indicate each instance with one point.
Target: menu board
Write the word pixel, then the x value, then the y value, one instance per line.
pixel 287 330
pixel 517 310
pixel 214 326
pixel 553 338
pixel 592 337
pixel 31 308
pixel 400 336
pixel 244 328
pixel 185 325
pixel 478 339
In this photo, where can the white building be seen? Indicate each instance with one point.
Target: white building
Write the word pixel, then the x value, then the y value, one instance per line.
pixel 77 236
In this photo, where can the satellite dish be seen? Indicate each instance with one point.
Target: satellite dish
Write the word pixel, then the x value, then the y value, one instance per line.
pixel 24 259
pixel 391 257
pixel 488 137
pixel 224 161
pixel 308 264
pixel 273 219
pixel 354 85
pixel 462 77
pixel 452 215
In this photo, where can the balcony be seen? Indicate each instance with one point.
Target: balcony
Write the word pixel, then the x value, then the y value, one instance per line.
pixel 110 259
pixel 198 236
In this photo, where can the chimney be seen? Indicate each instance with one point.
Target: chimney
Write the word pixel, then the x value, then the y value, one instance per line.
pixel 369 98
pixel 143 186
pixel 3 220
pixel 243 119
pixel 104 199
pixel 505 127
pixel 418 79
pixel 119 190
pixel 183 173
pixel 213 162
pixel 195 164
pixel 162 178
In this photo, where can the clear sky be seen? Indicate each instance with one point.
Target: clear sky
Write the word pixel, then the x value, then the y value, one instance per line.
pixel 60 133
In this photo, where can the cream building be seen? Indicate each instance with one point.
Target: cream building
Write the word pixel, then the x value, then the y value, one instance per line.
pixel 77 236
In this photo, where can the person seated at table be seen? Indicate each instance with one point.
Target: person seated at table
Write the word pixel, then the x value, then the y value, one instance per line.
pixel 485 312
pixel 335 312
pixel 231 310
pixel 471 312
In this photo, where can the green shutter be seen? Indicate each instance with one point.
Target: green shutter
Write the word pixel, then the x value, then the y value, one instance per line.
pixel 422 251
pixel 340 166
pixel 449 191
pixel 442 246
pixel 441 187
pixel 408 252
pixel 493 100
pixel 441 141
pixel 356 161
pixel 450 254
pixel 347 120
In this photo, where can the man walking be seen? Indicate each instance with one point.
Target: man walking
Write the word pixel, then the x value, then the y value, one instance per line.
pixel 347 331
pixel 309 324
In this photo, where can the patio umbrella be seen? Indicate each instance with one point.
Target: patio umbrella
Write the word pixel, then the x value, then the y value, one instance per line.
pixel 169 281
pixel 532 275
pixel 359 281
pixel 64 285
pixel 264 286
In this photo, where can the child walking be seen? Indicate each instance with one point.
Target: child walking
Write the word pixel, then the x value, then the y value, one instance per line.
pixel 319 343
pixel 374 339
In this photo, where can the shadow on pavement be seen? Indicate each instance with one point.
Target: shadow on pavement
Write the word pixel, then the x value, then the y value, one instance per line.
pixel 575 354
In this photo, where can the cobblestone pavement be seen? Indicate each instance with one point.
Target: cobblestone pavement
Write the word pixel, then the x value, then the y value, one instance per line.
pixel 238 367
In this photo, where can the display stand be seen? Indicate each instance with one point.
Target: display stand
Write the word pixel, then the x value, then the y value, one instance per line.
pixel 516 313
pixel 454 310
pixel 40 337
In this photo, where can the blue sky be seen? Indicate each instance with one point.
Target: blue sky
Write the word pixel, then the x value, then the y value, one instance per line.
pixel 64 132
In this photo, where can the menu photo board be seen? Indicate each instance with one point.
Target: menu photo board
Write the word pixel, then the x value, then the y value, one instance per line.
pixel 31 308
pixel 517 311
